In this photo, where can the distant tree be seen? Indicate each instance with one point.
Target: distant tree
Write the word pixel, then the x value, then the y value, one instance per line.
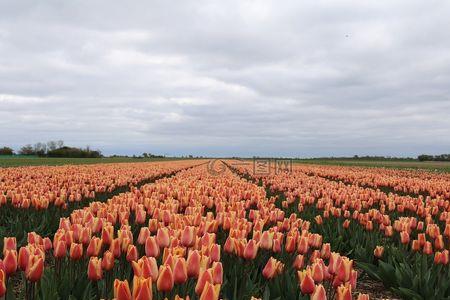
pixel 52 145
pixel 441 157
pixel 59 144
pixel 145 155
pixel 40 149
pixel 74 152
pixel 27 150
pixel 6 151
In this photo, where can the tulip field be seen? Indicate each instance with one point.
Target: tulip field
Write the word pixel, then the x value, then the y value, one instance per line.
pixel 178 230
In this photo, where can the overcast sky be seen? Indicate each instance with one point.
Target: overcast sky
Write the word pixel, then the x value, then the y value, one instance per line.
pixel 275 78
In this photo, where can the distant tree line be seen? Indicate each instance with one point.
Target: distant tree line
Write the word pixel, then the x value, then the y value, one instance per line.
pixel 149 155
pixel 441 157
pixel 53 149
pixel 6 151
pixel 364 157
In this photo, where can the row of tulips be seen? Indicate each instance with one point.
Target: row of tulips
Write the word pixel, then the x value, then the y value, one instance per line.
pixel 402 241
pixel 39 187
pixel 190 236
pixel 56 198
pixel 418 182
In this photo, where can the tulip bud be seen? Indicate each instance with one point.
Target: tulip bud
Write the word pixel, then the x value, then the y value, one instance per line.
pixel 140 216
pixel 228 247
pixel 151 247
pixel 121 290
pixel 290 244
pixel 107 234
pixel 165 279
pixel 187 237
pixel 427 248
pixel 404 237
pixel 193 264
pixel 317 272
pixel 415 245
pixel 276 248
pixel 344 292
pixel 60 250
pixel 214 252
pixel 144 233
pixel 10 261
pixel 307 285
pixel 344 269
pixel 217 273
pixel 2 283
pixel 85 235
pixel 162 237
pixel 299 262
pixel 76 251
pixel 115 248
pixel 180 271
pixel 23 259
pixel 270 268
pixel 303 245
pixel 439 242
pixel 95 271
pixel 142 288
pixel 204 277
pixel 9 243
pixel 132 253
pixel 94 247
pixel 363 297
pixel 378 251
pixel 210 292
pixel 35 268
pixel 47 244
pixel 346 223
pixel 445 257
pixel 326 251
pixel 108 261
pixel 266 240
pixel 319 293
pixel 250 250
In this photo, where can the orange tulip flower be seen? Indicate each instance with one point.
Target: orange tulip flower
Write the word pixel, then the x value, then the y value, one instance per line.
pixel 193 264
pixel 251 250
pixel 95 271
pixel 204 277
pixel 180 271
pixel 122 290
pixel 210 292
pixel 24 257
pixel 60 250
pixel 35 268
pixel 319 293
pixel 378 251
pixel 94 247
pixel 2 283
pixel 165 279
pixel 10 262
pixel 142 288
pixel 76 251
pixel 307 285
pixel 132 253
pixel 151 247
pixel 108 260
